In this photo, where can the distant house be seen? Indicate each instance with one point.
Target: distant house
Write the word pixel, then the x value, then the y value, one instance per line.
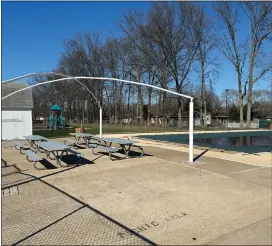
pixel 218 120
pixel 211 120
pixel 172 120
pixel 16 111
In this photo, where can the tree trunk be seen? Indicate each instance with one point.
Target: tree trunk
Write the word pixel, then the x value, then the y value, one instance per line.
pixel 241 103
pixel 163 109
pixel 120 103
pixel 179 113
pixel 203 96
pixel 93 112
pixel 164 97
pixel 137 108
pixel 74 111
pixel 128 109
pixel 69 112
pixel 87 111
pixel 249 106
pixel 115 104
pixel 140 107
pixel 158 109
pixel 205 112
pixel 241 113
pixel 140 99
pixel 201 112
pixel 149 106
pixel 205 104
pixel 250 80
pixel 249 98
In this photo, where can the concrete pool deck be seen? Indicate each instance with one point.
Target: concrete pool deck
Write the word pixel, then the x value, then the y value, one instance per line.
pixel 161 198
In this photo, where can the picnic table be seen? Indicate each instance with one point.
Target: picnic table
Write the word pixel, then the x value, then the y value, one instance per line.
pixel 85 136
pixel 122 142
pixel 52 147
pixel 34 140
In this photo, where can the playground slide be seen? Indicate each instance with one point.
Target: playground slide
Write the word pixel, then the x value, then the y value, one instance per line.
pixel 60 121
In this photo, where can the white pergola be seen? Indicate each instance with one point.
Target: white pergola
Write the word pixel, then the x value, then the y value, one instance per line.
pixel 65 76
pixel 68 77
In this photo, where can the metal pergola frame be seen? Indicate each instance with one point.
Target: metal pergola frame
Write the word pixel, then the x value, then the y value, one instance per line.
pixel 68 77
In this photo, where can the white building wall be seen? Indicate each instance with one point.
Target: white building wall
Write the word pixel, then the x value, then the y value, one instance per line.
pixel 16 124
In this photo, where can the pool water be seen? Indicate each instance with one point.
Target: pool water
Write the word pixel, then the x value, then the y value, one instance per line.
pixel 249 142
pixel 237 141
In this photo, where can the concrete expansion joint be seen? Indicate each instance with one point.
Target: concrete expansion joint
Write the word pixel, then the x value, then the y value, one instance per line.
pixel 251 169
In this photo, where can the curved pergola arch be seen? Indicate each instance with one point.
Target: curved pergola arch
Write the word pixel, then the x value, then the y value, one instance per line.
pixel 66 76
pixel 191 116
pixel 55 73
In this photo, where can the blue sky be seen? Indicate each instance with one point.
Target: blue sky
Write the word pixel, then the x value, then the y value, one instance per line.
pixel 33 34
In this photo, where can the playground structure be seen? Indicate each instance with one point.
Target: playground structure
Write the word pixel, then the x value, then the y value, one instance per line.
pixel 56 120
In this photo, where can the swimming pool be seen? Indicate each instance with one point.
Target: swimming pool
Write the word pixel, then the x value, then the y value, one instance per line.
pixel 249 142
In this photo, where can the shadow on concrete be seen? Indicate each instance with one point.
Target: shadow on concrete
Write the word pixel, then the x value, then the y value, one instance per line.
pixel 9 170
pixel 56 217
pixel 201 154
pixel 74 160
pixel 14 179
pixel 136 154
pixel 47 165
pixel 100 156
pixel 3 163
pixel 19 181
pixel 69 160
pixel 7 167
pixel 132 154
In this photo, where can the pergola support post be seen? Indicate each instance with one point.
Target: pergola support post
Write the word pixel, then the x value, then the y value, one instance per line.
pixel 100 122
pixel 191 131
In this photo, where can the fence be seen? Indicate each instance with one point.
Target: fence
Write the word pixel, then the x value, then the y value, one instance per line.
pixel 266 124
pixel 253 124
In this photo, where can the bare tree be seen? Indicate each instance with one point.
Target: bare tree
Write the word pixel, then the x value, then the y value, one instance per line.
pixel 149 75
pixel 260 16
pixel 112 57
pixel 228 14
pixel 83 56
pixel 160 46
pixel 130 26
pixel 170 27
pixel 205 36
